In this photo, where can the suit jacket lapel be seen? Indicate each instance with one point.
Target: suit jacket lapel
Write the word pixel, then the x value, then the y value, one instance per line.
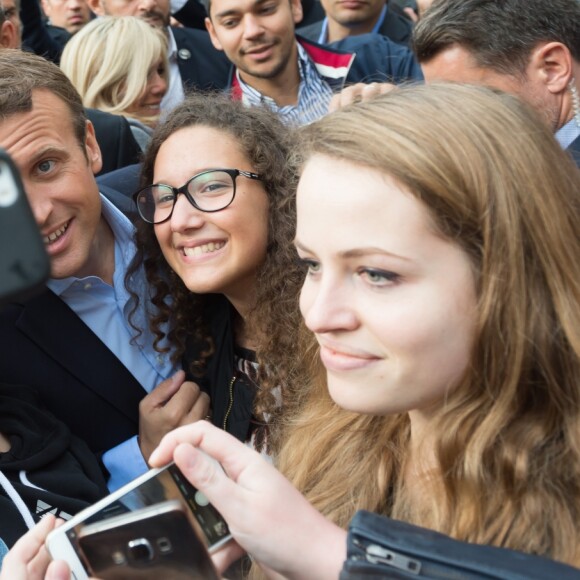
pixel 45 318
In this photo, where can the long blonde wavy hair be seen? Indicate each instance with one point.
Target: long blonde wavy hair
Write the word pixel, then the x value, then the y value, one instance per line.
pixel 507 440
pixel 108 62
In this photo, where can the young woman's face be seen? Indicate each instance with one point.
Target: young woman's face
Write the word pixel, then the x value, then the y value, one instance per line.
pixel 212 252
pixel 392 304
pixel 149 102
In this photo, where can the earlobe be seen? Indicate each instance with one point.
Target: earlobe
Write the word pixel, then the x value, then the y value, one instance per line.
pixel 96 7
pixel 297 11
pixel 8 35
pixel 212 35
pixel 92 149
pixel 552 61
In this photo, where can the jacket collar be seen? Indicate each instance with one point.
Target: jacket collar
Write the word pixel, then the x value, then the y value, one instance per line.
pixel 332 65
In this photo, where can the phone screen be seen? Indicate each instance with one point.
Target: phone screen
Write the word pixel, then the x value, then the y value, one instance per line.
pixel 168 484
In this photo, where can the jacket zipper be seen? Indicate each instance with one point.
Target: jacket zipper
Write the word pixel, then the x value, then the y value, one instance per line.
pixel 231 401
pixel 379 555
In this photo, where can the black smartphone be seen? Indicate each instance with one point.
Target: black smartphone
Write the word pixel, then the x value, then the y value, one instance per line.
pixel 24 263
pixel 160 541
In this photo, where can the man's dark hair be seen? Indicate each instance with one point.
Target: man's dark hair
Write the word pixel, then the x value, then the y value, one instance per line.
pixel 499 34
pixel 22 72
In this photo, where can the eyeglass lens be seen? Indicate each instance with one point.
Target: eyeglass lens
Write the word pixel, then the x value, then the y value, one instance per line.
pixel 211 191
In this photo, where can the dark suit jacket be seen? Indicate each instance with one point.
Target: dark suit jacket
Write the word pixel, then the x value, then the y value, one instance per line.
pixel 46 346
pixel 395 27
pixel 574 150
pixel 115 139
pixel 125 181
pixel 37 36
pixel 201 66
pixel 192 14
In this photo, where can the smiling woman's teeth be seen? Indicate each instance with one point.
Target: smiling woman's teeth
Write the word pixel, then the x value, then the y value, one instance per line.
pixel 55 235
pixel 205 249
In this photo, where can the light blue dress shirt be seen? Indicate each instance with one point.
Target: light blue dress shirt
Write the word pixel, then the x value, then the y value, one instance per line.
pixel 322 39
pixel 567 134
pixel 105 310
pixel 314 95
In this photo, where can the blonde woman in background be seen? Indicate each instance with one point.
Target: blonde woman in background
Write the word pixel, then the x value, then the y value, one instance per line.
pixel 119 65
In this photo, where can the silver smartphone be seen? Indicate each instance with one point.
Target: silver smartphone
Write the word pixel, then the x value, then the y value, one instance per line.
pixel 151 489
pixel 160 541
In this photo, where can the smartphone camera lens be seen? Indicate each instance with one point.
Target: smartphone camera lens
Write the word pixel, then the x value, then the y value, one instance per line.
pixel 140 550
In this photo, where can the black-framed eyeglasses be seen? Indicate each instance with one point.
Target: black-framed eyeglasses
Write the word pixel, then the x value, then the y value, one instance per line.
pixel 208 191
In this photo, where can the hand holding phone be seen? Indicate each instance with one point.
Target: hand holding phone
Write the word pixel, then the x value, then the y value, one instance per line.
pixel 159 541
pixel 127 534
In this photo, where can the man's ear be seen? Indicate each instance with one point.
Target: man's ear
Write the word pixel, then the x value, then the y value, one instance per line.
pixel 297 12
pixel 8 35
pixel 551 63
pixel 45 7
pixel 92 149
pixel 213 36
pixel 97 7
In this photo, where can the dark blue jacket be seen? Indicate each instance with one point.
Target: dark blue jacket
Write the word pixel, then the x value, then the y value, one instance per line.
pixel 365 58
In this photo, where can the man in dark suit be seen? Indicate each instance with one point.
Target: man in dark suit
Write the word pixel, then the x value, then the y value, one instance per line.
pixel 193 61
pixel 527 47
pixel 69 15
pixel 350 19
pixel 73 343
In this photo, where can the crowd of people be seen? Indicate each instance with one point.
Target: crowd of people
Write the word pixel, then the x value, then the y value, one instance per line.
pixel 332 245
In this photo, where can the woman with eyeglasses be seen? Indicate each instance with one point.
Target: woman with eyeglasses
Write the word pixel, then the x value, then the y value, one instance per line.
pixel 216 235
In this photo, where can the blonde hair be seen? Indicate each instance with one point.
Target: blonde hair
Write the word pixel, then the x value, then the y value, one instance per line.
pixel 507 441
pixel 109 59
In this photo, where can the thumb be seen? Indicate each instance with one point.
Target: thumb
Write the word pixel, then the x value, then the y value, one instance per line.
pixel 165 390
pixel 207 475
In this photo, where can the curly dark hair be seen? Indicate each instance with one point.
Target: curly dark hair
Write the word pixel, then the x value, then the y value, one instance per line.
pixel 266 142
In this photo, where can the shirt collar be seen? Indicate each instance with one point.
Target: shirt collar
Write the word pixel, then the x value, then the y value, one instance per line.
pixel 323 38
pixel 567 134
pixel 171 45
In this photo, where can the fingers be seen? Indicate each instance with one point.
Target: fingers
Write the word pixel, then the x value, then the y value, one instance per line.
pixel 163 391
pixel 214 441
pixel 160 415
pixel 58 570
pixel 188 404
pixel 199 410
pixel 357 93
pixel 28 546
pixel 206 475
pixel 28 559
pixel 226 556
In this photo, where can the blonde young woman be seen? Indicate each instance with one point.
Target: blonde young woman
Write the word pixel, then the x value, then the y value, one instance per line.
pixel 119 65
pixel 439 228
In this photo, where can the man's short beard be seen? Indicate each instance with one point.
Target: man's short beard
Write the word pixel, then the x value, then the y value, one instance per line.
pixel 266 74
